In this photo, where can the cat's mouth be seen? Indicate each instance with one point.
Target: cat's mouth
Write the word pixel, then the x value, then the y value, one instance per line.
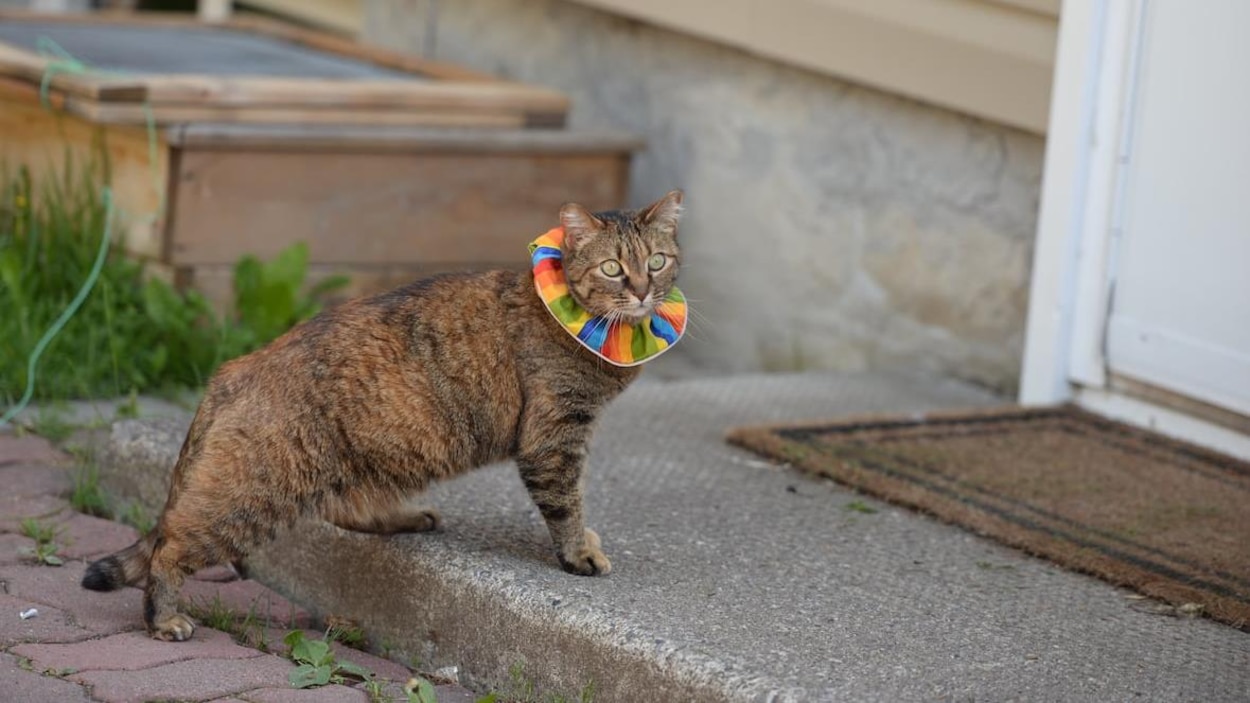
pixel 633 313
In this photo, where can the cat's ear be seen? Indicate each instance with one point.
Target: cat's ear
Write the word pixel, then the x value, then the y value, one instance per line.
pixel 579 225
pixel 663 213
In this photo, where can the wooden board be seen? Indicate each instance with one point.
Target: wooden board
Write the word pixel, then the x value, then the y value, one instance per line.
pixel 216 282
pixel 40 140
pixel 250 70
pixel 432 209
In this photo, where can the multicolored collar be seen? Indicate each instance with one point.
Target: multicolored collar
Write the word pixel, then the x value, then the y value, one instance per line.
pixel 617 343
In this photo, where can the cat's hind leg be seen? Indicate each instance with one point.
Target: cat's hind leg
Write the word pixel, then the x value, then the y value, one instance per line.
pixel 380 515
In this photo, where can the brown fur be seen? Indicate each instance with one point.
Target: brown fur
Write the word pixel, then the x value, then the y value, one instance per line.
pixel 352 414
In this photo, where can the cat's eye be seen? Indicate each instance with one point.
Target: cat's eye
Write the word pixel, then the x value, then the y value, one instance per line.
pixel 611 268
pixel 657 262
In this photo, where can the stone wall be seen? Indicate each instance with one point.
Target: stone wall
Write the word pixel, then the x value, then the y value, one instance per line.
pixel 828 225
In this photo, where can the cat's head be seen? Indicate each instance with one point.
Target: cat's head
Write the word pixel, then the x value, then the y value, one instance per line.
pixel 622 264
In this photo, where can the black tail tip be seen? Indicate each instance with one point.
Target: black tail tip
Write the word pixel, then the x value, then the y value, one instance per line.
pixel 100 575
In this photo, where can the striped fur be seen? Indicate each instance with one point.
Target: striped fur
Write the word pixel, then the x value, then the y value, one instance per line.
pixel 351 415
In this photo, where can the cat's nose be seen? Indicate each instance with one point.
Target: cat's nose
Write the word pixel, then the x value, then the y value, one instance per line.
pixel 638 288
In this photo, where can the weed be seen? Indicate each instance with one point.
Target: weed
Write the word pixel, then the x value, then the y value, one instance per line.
pixel 860 506
pixel 128 409
pixel 376 690
pixel 991 566
pixel 45 549
pixel 488 698
pixel 133 333
pixel 50 424
pixel 137 517
pixel 215 614
pixel 346 632
pixel 87 497
pixel 38 531
pixel 316 665
pixel 419 690
pixel 522 685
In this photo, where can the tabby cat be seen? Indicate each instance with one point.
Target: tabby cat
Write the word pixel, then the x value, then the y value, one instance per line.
pixel 353 413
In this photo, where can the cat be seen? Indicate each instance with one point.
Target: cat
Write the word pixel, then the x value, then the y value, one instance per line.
pixel 350 415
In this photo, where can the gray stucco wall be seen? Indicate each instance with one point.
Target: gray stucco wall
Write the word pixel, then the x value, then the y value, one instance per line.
pixel 828 225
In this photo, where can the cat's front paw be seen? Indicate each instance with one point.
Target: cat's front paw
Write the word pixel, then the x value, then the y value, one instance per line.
pixel 588 559
pixel 177 628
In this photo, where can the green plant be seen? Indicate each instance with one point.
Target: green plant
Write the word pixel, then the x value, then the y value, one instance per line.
pixel 347 634
pixel 137 517
pixel 86 495
pixel 134 333
pixel 129 409
pixel 215 614
pixel 376 690
pixel 50 424
pixel 419 690
pixel 859 506
pixel 45 549
pixel 316 664
pixel 269 297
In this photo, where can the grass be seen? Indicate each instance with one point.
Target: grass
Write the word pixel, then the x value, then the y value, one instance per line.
pixel 134 333
pixel 86 496
pixel 45 549
pixel 859 506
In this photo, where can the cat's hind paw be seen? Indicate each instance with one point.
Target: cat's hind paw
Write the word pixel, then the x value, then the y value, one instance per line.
pixel 587 560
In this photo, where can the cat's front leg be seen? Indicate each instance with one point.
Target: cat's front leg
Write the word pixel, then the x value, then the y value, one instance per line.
pixel 552 473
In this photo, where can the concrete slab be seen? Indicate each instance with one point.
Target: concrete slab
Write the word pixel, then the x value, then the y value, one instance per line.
pixel 737 580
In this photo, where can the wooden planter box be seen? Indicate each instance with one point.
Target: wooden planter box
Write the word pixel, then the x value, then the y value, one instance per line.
pixel 424 167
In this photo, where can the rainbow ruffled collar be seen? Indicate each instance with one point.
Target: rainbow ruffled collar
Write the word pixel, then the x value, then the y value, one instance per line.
pixel 616 343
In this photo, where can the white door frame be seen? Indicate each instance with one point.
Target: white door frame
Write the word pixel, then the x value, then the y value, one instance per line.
pixel 1088 143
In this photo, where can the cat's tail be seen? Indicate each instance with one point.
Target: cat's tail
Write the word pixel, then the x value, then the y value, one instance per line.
pixel 125 568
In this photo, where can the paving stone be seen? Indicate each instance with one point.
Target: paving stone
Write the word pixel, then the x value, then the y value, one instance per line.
pixel 86 537
pixel 382 668
pixel 102 613
pixel 12 545
pixel 29 480
pixel 28 449
pixel 50 625
pixel 246 596
pixel 15 509
pixel 324 694
pixel 190 680
pixel 26 686
pixel 132 651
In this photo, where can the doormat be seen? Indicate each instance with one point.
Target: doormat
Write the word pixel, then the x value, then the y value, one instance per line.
pixel 1166 518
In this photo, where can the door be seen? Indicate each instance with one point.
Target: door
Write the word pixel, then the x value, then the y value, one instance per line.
pixel 1179 317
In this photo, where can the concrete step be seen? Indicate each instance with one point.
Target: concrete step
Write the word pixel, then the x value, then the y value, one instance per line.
pixel 733 579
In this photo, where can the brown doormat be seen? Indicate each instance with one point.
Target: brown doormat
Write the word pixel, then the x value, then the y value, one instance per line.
pixel 1166 518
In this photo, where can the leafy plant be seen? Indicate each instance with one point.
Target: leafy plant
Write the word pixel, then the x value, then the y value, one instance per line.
pixel 86 496
pixel 45 549
pixel 317 665
pixel 269 296
pixel 134 333
pixel 419 690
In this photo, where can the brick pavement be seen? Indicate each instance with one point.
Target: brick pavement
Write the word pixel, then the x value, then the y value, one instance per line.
pixel 89 646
